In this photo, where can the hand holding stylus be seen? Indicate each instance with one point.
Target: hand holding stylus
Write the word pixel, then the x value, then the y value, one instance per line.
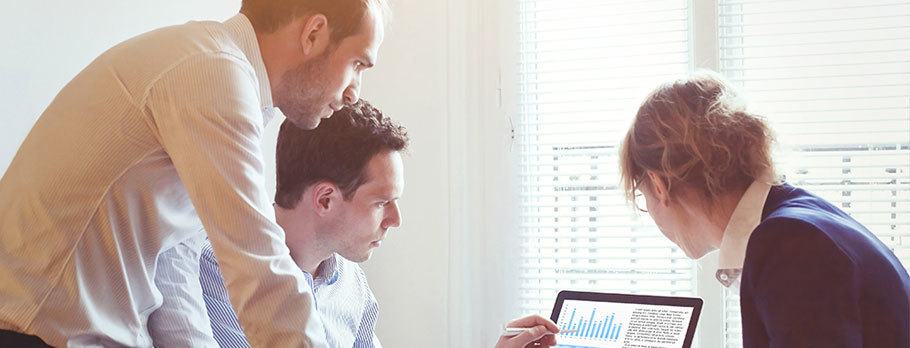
pixel 533 329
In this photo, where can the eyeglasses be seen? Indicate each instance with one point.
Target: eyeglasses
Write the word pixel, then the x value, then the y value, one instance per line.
pixel 640 203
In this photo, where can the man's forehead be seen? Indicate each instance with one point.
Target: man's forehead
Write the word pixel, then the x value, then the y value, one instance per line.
pixel 384 174
pixel 370 36
pixel 370 50
pixel 384 181
pixel 361 46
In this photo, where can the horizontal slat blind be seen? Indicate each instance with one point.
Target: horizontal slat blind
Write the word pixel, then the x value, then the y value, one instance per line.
pixel 833 77
pixel 584 67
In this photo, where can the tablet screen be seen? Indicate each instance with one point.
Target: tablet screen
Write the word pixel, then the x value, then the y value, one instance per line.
pixel 623 324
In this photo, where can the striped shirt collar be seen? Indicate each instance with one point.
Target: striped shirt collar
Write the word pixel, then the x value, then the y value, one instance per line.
pixel 327 272
pixel 743 221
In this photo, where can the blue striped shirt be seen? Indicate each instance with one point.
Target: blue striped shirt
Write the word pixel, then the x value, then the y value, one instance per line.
pixel 344 301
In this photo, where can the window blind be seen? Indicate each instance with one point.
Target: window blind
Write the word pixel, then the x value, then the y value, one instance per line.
pixel 833 78
pixel 584 66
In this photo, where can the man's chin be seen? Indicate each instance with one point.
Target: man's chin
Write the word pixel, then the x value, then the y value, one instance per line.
pixel 306 123
pixel 362 258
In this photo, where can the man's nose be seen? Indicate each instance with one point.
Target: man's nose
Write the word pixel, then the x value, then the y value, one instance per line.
pixel 352 93
pixel 351 96
pixel 394 217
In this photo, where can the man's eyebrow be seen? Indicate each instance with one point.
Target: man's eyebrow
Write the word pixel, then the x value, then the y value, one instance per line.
pixel 385 192
pixel 367 60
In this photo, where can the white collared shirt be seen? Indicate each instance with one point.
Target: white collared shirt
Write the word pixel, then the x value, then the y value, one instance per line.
pixel 154 140
pixel 743 221
pixel 343 299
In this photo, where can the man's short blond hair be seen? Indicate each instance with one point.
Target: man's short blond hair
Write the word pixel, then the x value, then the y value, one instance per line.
pixel 345 17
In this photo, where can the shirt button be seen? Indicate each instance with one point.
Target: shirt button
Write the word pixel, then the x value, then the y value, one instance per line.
pixel 724 277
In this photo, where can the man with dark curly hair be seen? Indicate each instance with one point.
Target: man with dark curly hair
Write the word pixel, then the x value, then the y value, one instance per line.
pixel 337 191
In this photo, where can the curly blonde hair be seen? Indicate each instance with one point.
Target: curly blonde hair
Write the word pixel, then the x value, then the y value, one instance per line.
pixel 696 133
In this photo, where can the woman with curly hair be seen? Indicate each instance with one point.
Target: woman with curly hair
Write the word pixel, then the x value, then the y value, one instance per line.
pixel 809 274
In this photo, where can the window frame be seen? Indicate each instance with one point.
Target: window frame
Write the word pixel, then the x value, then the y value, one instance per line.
pixel 499 102
pixel 705 53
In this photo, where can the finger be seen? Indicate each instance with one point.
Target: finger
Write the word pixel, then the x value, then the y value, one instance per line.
pixel 533 320
pixel 550 325
pixel 548 341
pixel 503 342
pixel 527 321
pixel 534 334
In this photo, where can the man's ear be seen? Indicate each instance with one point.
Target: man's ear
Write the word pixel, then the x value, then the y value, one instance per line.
pixel 658 188
pixel 325 196
pixel 315 35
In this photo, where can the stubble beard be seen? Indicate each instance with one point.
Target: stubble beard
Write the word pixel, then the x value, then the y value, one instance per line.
pixel 300 94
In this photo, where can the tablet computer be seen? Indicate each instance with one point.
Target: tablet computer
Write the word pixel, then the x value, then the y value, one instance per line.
pixel 603 320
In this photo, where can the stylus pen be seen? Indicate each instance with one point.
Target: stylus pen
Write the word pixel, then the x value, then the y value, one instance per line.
pixel 515 331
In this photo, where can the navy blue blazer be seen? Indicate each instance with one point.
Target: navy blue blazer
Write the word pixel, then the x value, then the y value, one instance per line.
pixel 815 277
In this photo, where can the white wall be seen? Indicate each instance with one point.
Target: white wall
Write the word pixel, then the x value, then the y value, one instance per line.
pixel 442 279
pixel 45 43
pixel 409 273
pixel 426 274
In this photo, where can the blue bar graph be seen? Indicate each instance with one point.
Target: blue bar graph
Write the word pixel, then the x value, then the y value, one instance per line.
pixel 590 325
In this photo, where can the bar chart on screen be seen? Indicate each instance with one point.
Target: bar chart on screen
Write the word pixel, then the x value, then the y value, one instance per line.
pixel 597 324
pixel 592 326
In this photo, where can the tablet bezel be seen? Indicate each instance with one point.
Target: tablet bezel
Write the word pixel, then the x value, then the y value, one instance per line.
pixel 692 302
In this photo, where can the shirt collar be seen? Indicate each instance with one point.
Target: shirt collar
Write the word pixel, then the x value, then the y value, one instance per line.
pixel 327 272
pixel 241 30
pixel 743 221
